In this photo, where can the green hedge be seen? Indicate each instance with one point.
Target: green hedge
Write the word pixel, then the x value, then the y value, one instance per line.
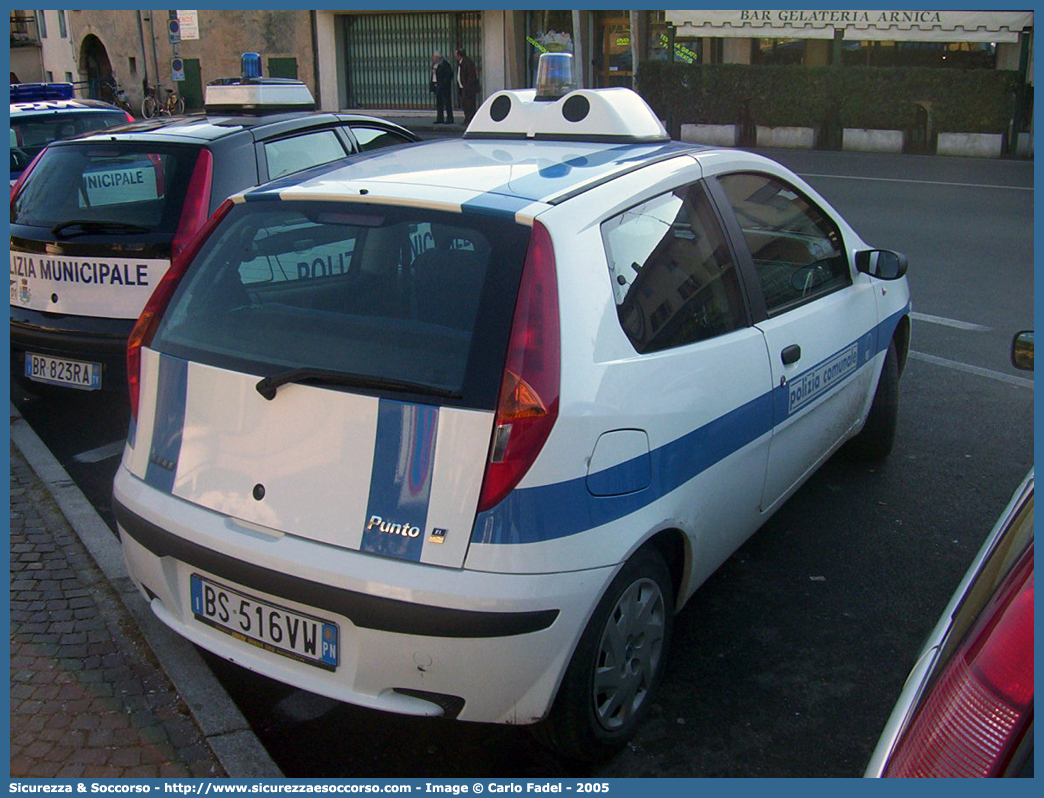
pixel 974 101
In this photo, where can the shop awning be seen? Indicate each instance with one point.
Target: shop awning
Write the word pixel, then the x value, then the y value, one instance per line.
pixel 916 26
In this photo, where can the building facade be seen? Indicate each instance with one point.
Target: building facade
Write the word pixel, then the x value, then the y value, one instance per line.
pixel 41 47
pixel 956 39
pixel 380 60
pixel 359 51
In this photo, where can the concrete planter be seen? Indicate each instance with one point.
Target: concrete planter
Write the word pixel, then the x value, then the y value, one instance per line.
pixel 795 137
pixel 861 139
pixel 1025 145
pixel 974 145
pixel 716 135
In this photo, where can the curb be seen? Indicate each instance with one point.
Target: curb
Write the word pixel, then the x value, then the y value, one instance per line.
pixel 225 729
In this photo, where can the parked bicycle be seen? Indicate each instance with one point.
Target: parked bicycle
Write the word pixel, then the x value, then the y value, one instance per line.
pixel 111 92
pixel 173 105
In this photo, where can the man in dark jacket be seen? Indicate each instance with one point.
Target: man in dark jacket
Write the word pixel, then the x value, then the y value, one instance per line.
pixel 467 84
pixel 442 87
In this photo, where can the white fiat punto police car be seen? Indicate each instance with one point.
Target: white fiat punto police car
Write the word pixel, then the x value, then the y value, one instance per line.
pixel 456 429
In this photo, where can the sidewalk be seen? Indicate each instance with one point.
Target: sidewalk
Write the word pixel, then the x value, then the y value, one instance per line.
pixel 92 672
pixel 421 122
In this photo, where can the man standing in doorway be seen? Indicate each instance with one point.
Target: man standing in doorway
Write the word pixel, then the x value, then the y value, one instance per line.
pixel 467 84
pixel 442 88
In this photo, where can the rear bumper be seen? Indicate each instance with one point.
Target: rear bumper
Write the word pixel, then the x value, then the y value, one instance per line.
pixel 415 639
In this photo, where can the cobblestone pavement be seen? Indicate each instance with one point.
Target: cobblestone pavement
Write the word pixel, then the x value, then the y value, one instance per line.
pixel 87 697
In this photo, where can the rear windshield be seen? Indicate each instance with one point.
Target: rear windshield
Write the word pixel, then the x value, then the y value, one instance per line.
pixel 30 134
pixel 121 183
pixel 409 295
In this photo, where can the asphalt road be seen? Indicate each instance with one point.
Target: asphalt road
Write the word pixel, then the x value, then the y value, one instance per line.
pixel 787 661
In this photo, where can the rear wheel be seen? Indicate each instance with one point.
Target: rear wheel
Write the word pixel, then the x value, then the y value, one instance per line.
pixel 148 107
pixel 179 104
pixel 617 666
pixel 876 439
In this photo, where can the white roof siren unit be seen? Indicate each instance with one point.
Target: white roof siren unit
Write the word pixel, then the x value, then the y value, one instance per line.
pixel 251 94
pixel 557 110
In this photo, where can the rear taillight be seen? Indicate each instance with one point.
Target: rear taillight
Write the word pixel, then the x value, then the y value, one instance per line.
pixel 528 404
pixel 22 177
pixel 150 317
pixel 128 115
pixel 194 210
pixel 975 714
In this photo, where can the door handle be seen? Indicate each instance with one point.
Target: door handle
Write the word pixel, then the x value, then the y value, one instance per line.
pixel 791 354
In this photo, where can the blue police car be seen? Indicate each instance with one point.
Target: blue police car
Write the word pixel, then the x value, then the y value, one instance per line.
pixel 45 112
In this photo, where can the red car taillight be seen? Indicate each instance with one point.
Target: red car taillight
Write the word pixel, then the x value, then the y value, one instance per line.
pixel 22 177
pixel 197 203
pixel 977 711
pixel 528 404
pixel 150 317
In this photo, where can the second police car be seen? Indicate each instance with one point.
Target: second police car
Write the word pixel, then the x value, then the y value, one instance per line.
pixel 456 429
pixel 96 220
pixel 46 112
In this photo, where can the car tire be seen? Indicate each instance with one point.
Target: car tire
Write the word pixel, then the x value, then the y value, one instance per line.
pixel 876 439
pixel 618 664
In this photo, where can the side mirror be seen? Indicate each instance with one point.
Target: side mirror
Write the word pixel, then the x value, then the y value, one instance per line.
pixel 1022 351
pixel 884 264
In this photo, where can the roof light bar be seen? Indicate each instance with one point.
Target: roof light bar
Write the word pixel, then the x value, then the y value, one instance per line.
pixel 250 93
pixel 556 110
pixel 35 92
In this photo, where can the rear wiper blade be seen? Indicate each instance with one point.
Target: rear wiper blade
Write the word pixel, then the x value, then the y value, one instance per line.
pixel 89 226
pixel 269 385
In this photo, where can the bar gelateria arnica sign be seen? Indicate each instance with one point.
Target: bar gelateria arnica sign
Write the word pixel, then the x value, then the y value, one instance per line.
pixel 876 17
pixel 920 24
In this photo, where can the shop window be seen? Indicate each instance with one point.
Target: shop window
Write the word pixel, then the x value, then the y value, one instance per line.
pixel 778 51
pixel 685 50
pixel 958 55
pixel 547 32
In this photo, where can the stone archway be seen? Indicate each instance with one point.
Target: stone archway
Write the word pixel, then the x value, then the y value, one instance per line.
pixel 94 61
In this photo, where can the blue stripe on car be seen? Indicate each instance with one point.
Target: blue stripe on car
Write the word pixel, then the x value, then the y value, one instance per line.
pixel 495 205
pixel 165 448
pixel 803 389
pixel 547 512
pixel 557 510
pixel 400 482
pixel 555 177
pixel 560 166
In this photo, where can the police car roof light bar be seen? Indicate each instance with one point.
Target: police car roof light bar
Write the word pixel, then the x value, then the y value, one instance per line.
pixel 251 93
pixel 594 115
pixel 35 92
pixel 557 111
